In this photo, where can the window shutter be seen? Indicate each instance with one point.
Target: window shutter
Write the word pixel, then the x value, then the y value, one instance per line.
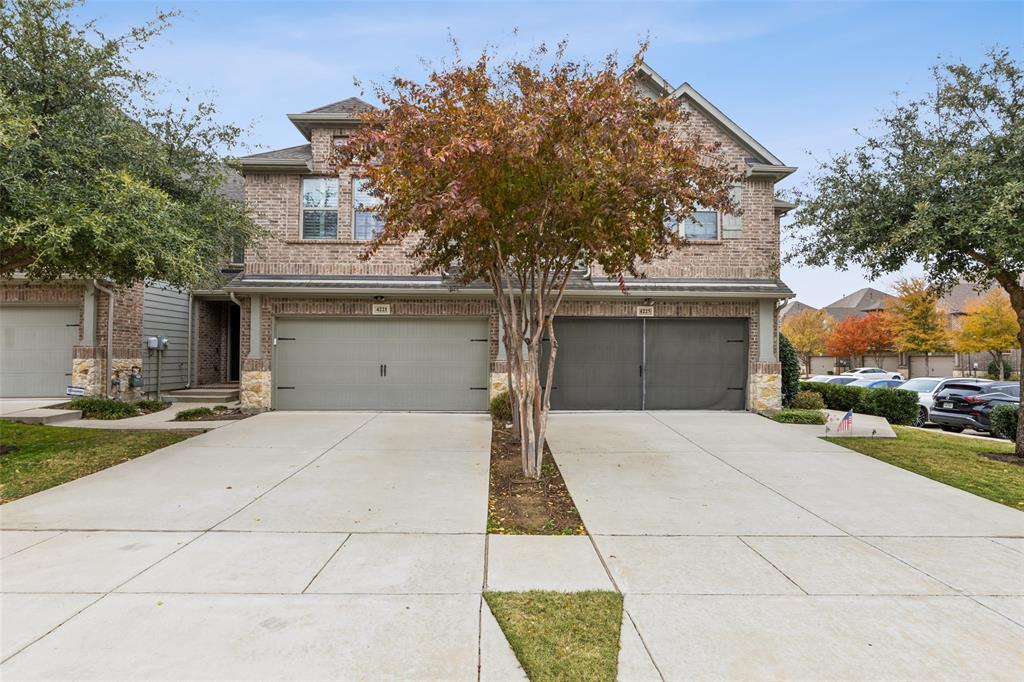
pixel 732 224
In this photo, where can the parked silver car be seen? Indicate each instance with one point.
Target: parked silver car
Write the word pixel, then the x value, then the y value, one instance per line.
pixel 871 373
pixel 928 387
pixel 831 379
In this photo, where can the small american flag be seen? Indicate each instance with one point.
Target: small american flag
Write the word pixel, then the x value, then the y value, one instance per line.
pixel 846 423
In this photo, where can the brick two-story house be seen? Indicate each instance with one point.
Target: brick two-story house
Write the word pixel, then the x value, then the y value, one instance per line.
pixel 321 329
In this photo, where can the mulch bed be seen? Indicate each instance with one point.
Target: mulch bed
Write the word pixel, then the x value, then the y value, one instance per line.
pixel 1008 457
pixel 517 506
pixel 224 415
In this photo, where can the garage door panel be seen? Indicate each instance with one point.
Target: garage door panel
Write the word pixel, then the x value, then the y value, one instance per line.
pixel 688 364
pixel 696 364
pixel 381 364
pixel 597 366
pixel 35 349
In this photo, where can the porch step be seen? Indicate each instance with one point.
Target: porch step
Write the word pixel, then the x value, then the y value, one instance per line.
pixel 203 395
pixel 43 415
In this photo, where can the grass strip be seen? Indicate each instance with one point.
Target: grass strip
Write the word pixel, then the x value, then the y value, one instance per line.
pixel 953 460
pixel 561 635
pixel 36 457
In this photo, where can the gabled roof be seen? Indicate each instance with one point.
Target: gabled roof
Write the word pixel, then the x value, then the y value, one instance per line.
pixel 858 303
pixel 794 307
pixel 344 112
pixel 293 159
pixel 955 300
pixel 349 106
pixel 765 162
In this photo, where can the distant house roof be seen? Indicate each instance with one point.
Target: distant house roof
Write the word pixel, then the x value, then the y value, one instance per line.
pixel 858 303
pixel 955 300
pixel 290 159
pixel 344 112
pixel 794 307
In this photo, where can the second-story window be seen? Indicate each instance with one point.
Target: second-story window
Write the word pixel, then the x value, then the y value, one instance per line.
pixel 366 223
pixel 702 224
pixel 320 208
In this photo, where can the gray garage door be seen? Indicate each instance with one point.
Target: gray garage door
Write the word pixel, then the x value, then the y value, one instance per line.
pixel 660 364
pixel 381 364
pixel 35 350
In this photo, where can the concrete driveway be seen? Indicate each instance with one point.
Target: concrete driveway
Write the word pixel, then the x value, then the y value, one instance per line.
pixel 285 546
pixel 753 550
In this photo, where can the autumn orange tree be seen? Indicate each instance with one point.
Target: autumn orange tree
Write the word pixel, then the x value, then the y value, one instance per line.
pixel 807 331
pixel 515 172
pixel 990 326
pixel 859 336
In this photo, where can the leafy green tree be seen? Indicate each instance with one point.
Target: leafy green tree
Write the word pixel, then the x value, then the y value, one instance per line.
pixel 515 172
pixel 98 179
pixel 940 182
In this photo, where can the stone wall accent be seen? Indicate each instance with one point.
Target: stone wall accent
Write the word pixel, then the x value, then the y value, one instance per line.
pixel 88 373
pixel 254 390
pixel 766 387
pixel 498 384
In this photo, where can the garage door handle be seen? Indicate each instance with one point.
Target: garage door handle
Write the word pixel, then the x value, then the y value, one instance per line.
pixel 734 389
pixel 286 388
pixel 478 388
pixel 735 340
pixel 286 338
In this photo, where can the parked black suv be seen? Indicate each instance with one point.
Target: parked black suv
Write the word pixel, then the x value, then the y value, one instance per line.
pixel 964 405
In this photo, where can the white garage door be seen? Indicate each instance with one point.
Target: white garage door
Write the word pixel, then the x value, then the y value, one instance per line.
pixel 414 364
pixel 35 350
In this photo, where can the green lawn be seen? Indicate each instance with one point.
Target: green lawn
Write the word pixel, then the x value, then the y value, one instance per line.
pixel 46 456
pixel 561 636
pixel 949 459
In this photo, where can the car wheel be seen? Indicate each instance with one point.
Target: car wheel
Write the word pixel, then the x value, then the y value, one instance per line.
pixel 922 417
pixel 954 429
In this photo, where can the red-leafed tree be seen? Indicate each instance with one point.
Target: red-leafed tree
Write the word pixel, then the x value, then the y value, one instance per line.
pixel 514 172
pixel 845 340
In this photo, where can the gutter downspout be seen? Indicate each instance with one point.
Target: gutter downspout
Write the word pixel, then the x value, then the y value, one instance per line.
pixel 110 336
pixel 188 352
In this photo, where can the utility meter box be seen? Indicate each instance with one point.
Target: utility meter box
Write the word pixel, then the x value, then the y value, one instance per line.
pixel 156 343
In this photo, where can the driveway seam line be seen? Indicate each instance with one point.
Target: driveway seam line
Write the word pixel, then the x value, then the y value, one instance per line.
pixel 58 625
pixel 772 564
pixel 329 560
pixel 642 640
pixel 294 473
pixel 957 592
pixel 56 533
pixel 604 565
pixel 755 480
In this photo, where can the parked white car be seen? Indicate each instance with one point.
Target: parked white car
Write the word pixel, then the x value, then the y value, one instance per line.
pixel 831 379
pixel 872 373
pixel 928 387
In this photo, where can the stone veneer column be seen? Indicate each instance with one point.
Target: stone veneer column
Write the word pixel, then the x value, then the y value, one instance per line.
pixel 254 386
pixel 766 387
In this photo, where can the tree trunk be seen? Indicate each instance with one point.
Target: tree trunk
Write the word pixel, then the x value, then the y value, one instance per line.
pixel 1013 287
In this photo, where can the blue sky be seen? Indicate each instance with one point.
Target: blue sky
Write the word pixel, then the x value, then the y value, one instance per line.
pixel 798 76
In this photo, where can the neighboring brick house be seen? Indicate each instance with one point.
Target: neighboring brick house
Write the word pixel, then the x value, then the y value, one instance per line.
pixel 321 329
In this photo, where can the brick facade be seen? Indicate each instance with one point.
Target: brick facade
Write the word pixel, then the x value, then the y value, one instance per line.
pixel 87 362
pixel 274 199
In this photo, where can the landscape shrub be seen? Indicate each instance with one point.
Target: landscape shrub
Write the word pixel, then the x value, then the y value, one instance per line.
pixel 836 396
pixel 792 415
pixel 807 400
pixel 1004 421
pixel 150 405
pixel 103 408
pixel 790 370
pixel 501 407
pixel 193 413
pixel 896 405
pixel 993 370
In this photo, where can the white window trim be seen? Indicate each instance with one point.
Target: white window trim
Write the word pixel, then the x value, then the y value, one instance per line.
pixel 355 210
pixel 303 209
